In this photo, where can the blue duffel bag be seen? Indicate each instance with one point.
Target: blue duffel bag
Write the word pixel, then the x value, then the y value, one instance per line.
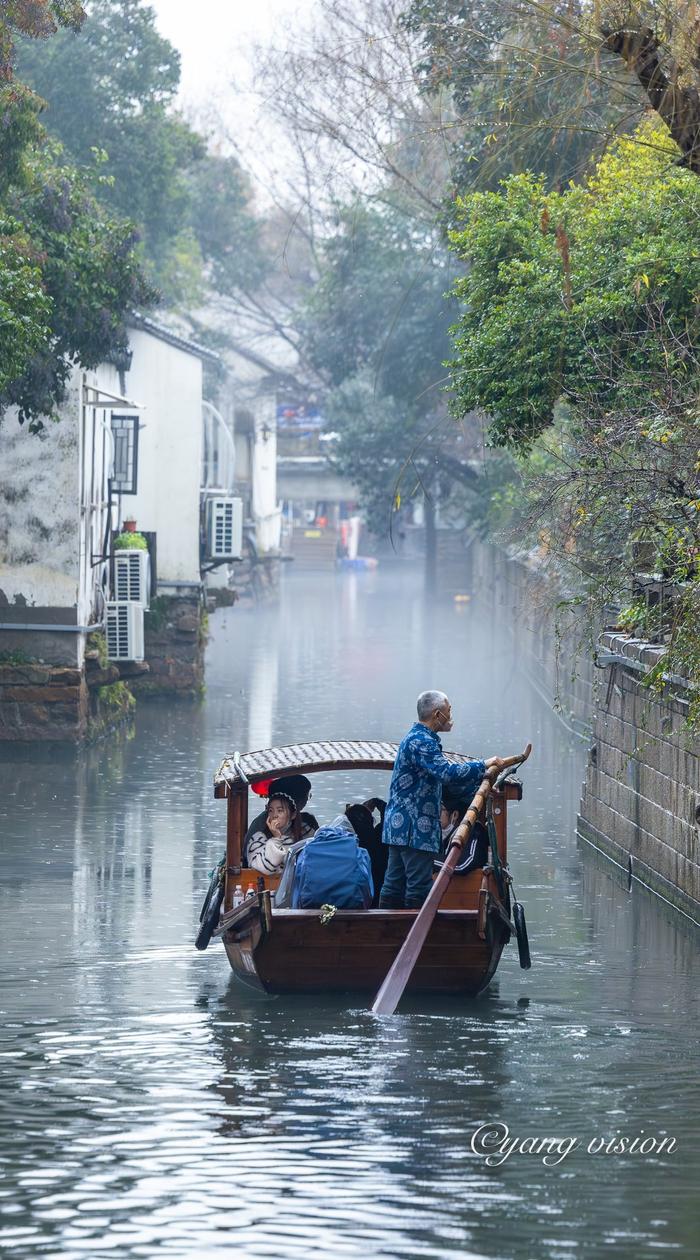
pixel 332 869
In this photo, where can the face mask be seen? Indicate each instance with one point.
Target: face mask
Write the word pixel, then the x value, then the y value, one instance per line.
pixel 447 831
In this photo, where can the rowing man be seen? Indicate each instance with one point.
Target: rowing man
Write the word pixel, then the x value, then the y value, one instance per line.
pixel 412 820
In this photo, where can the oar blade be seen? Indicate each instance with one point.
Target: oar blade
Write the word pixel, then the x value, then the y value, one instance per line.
pixel 399 973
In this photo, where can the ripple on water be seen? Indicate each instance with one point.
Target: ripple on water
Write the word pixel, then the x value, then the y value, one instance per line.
pixel 149 1107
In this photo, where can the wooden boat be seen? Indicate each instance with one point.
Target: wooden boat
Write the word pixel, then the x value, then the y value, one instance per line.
pixel 296 951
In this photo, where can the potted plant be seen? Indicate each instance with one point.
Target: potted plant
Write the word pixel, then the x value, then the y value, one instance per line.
pixel 129 539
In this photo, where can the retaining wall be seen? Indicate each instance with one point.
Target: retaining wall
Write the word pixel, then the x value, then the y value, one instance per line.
pixel 41 703
pixel 640 802
pixel 175 635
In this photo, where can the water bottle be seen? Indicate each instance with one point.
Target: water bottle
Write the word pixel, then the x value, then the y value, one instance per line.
pixel 237 896
pixel 250 890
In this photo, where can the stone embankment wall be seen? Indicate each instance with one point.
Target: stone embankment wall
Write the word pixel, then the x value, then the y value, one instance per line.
pixel 42 702
pixel 640 802
pixel 57 703
pixel 175 635
pixel 641 799
pixel 60 704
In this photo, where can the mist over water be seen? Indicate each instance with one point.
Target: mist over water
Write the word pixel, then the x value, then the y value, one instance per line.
pixel 150 1106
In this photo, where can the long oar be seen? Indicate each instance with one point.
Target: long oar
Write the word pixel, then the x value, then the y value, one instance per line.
pixel 400 971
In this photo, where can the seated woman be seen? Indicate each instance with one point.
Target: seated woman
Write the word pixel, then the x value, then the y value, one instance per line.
pixel 475 853
pixel 283 827
pixel 295 785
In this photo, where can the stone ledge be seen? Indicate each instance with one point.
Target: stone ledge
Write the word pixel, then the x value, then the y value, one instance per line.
pixel 639 651
pixel 36 675
pixel 42 695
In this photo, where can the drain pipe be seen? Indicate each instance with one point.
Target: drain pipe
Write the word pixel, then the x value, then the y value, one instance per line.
pixel 34 625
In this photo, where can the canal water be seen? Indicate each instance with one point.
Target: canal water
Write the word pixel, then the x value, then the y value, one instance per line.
pixel 151 1107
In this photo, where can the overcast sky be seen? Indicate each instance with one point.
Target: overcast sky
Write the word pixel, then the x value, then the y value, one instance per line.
pixel 214 37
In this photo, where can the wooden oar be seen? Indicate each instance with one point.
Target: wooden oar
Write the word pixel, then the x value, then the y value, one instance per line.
pixel 400 971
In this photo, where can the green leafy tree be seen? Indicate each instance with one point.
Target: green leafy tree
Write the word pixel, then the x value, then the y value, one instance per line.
pixel 578 295
pixel 579 337
pixel 225 227
pixel 68 271
pixel 381 303
pixel 394 457
pixel 376 330
pixel 88 273
pixel 25 307
pixel 25 20
pixel 527 89
pixel 539 83
pixel 37 19
pixel 111 86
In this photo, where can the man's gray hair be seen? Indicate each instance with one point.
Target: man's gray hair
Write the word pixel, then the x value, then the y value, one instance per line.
pixel 428 702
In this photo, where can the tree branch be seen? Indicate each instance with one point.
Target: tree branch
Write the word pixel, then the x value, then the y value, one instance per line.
pixel 679 107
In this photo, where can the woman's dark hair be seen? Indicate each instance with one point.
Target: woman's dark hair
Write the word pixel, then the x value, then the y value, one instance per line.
pixel 291 804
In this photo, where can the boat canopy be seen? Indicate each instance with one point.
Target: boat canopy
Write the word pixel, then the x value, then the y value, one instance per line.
pixel 240 769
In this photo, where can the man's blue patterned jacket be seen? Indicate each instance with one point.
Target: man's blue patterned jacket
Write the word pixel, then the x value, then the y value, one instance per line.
pixel 412 815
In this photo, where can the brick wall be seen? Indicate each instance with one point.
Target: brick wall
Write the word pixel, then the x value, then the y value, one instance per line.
pixel 640 802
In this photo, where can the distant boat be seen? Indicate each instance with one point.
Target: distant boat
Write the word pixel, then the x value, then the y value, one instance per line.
pixel 303 951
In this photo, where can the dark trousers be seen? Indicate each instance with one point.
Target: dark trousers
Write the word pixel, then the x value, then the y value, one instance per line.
pixel 408 879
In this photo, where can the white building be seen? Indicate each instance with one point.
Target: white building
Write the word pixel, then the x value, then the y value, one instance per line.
pixel 128 443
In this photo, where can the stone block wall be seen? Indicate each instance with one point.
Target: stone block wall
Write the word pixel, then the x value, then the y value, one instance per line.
pixel 175 636
pixel 47 702
pixel 43 703
pixel 640 802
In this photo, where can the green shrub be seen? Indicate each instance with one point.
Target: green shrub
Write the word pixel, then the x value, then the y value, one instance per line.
pixel 97 642
pixel 130 542
pixel 116 698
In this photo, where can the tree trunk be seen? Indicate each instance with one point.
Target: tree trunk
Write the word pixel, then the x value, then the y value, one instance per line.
pixel 678 105
pixel 430 546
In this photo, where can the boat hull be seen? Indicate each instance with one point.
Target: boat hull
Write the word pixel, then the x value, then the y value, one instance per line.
pixel 353 951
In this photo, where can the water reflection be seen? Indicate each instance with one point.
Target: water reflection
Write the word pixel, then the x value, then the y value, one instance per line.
pixel 152 1107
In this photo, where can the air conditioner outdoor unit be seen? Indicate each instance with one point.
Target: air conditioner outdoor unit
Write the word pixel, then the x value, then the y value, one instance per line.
pixel 225 528
pixel 124 630
pixel 132 576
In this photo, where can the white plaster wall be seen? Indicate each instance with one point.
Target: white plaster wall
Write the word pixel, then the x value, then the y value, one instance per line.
pixel 167 382
pixel 266 509
pixel 243 445
pixel 39 508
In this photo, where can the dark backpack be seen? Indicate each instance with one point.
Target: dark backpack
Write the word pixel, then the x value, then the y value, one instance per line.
pixel 332 869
